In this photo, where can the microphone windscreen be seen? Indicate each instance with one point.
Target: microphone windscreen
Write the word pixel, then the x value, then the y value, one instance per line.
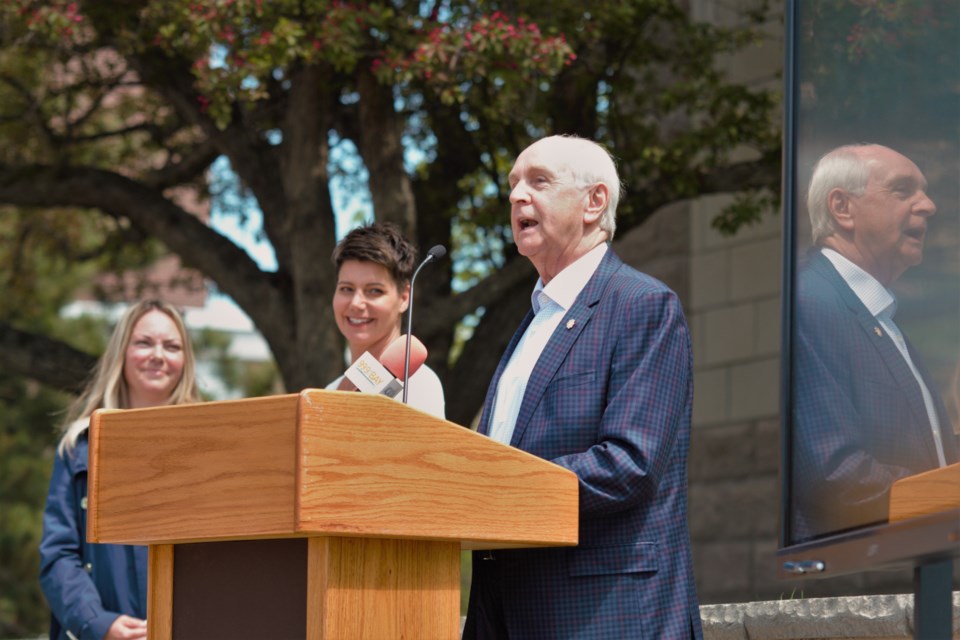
pixel 436 252
pixel 393 356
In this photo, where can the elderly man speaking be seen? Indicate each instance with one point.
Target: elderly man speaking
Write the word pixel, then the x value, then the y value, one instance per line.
pixel 596 379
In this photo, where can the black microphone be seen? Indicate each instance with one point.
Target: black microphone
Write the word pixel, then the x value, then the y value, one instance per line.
pixel 435 253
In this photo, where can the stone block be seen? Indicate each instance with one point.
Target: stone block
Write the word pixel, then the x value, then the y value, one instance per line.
pixel 767 324
pixel 665 233
pixel 733 509
pixel 723 622
pixel 851 617
pixel 767 447
pixel 703 237
pixel 722 569
pixel 729 334
pixel 673 271
pixel 695 322
pixel 709 279
pixel 711 396
pixel 885 617
pixel 755 389
pixel 755 269
pixel 720 452
pixel 765 496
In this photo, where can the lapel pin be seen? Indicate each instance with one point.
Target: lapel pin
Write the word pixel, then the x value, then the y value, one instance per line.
pixel 878 332
pixel 570 323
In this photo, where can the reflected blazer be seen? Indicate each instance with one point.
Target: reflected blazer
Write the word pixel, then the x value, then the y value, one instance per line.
pixel 859 420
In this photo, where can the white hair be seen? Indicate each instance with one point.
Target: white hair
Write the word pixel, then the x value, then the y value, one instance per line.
pixel 595 166
pixel 842 168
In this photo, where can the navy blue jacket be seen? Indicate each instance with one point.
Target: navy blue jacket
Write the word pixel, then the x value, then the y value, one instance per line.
pixel 87 585
pixel 859 419
pixel 610 399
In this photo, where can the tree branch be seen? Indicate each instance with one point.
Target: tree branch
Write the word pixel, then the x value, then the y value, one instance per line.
pixel 191 164
pixel 262 295
pixel 485 293
pixel 51 362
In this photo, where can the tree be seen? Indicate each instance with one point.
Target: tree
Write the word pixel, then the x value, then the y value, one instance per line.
pixel 114 108
pixel 26 456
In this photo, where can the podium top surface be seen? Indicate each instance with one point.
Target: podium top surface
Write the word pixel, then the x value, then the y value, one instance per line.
pixel 925 493
pixel 317 463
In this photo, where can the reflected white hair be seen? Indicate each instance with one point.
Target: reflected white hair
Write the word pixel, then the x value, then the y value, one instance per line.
pixel 842 168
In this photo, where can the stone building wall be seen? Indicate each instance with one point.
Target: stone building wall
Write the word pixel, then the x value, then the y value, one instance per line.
pixel 731 288
pixel 734 315
pixel 850 618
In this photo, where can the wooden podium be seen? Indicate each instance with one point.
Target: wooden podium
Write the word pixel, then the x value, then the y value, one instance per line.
pixel 925 493
pixel 321 515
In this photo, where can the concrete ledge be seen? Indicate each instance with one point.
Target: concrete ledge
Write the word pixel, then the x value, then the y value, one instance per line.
pixel 848 618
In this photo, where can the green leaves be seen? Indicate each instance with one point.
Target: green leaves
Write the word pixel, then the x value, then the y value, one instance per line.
pixel 747 209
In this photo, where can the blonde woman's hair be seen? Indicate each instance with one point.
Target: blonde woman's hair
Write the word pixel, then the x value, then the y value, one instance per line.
pixel 107 388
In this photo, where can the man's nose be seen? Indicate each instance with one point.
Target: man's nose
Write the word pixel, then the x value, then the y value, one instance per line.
pixel 519 193
pixel 926 206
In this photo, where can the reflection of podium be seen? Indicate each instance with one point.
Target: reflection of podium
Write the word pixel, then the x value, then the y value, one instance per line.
pixel 322 514
pixel 925 493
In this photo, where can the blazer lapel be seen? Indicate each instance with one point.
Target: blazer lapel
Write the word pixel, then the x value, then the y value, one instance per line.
pixel 562 340
pixel 885 347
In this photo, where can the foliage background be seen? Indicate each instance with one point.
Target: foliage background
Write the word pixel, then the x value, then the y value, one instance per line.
pixel 112 115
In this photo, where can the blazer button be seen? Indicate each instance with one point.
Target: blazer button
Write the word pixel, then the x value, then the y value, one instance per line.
pixel 88 568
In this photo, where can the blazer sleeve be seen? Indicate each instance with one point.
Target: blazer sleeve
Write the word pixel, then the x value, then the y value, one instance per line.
pixel 646 402
pixel 838 482
pixel 69 589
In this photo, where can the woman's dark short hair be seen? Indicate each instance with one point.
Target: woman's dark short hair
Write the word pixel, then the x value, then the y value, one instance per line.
pixel 381 243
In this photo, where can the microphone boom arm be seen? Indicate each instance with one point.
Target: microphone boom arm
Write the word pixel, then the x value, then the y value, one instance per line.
pixel 435 253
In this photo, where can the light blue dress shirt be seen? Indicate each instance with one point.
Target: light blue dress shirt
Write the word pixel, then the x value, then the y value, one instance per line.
pixel 550 304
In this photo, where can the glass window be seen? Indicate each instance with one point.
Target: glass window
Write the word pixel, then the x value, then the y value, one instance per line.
pixel 874 293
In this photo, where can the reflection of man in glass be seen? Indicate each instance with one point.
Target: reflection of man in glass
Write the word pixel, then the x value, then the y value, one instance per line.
pixel 865 413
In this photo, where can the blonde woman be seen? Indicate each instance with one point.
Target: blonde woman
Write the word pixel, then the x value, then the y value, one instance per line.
pixel 98 590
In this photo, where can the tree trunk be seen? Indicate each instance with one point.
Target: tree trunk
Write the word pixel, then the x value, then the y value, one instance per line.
pixel 381 147
pixel 319 357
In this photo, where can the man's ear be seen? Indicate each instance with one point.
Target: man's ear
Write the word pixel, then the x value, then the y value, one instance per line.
pixel 597 199
pixel 838 202
pixel 405 298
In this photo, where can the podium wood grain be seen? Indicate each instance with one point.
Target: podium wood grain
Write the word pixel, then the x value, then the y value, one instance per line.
pixel 406 474
pixel 384 496
pixel 318 462
pixel 218 470
pixel 925 493
pixel 160 591
pixel 375 588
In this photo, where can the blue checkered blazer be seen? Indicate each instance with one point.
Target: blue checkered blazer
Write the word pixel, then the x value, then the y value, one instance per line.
pixel 609 399
pixel 859 421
